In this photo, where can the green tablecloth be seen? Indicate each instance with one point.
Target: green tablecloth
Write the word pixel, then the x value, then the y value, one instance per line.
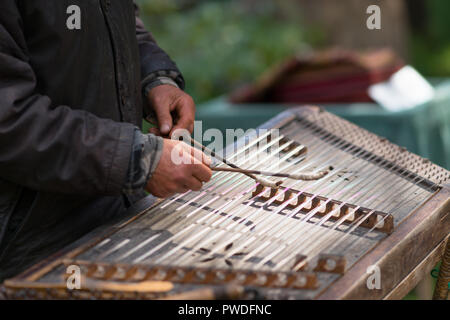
pixel 424 130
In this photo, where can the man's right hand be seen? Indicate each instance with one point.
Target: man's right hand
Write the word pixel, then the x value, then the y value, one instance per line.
pixel 181 168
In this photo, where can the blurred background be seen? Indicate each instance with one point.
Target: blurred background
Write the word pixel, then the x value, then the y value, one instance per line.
pixel 239 61
pixel 223 45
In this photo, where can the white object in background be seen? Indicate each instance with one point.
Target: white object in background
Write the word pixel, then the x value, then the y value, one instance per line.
pixel 404 90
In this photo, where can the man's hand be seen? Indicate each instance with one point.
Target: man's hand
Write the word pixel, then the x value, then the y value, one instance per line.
pixel 174 110
pixel 181 168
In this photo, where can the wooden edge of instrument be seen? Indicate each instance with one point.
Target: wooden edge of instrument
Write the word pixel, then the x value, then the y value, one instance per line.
pixel 136 273
pixel 393 255
pixel 230 292
pixel 420 272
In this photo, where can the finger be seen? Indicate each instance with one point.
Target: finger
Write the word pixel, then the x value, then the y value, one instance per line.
pixel 201 172
pixel 160 192
pixel 164 117
pixel 163 195
pixel 185 153
pixel 194 184
pixel 179 188
pixel 184 189
pixel 206 160
pixel 198 156
pixel 185 108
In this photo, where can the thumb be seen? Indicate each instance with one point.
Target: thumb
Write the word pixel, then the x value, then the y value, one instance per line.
pixel 164 119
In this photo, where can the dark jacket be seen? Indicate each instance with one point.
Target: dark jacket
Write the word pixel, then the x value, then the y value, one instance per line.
pixel 70 101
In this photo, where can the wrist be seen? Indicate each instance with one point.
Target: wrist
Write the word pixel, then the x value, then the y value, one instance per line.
pixel 158 82
pixel 145 156
pixel 154 79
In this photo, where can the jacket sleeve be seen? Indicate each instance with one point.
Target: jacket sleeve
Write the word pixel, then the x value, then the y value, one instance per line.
pixel 51 147
pixel 154 61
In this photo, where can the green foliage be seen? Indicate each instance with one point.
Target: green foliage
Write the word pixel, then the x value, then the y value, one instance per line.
pixel 221 44
pixel 431 61
pixel 430 50
pixel 439 25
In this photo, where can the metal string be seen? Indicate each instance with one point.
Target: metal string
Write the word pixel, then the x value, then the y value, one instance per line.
pixel 216 221
pixel 323 234
pixel 358 222
pixel 298 209
pixel 242 219
pixel 167 241
pixel 237 236
pixel 221 219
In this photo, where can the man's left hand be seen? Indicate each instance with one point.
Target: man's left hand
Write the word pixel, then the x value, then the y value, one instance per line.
pixel 174 110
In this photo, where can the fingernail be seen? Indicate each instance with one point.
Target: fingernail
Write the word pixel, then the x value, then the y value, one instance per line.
pixel 207 160
pixel 165 128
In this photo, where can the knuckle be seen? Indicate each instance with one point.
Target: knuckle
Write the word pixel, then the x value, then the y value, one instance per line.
pixel 182 175
pixel 187 99
pixel 188 103
pixel 158 101
pixel 172 188
pixel 179 179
